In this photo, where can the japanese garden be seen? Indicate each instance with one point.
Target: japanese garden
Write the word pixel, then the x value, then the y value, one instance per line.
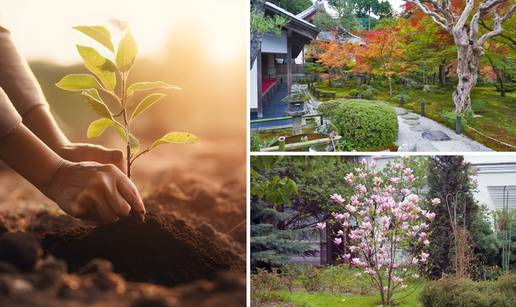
pixel 426 76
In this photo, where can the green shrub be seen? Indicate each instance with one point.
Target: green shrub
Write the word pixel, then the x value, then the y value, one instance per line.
pixel 255 142
pixel 328 108
pixel 312 279
pixel 406 98
pixel 449 119
pixel 465 292
pixel 340 279
pixel 367 94
pixel 263 285
pixel 354 93
pixel 478 105
pixel 365 124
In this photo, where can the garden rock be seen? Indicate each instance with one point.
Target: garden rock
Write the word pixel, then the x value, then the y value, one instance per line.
pixel 436 136
pixel 411 122
pixel 427 88
pixel 410 116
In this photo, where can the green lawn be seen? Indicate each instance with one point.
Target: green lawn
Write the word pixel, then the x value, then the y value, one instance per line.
pixel 302 298
pixel 496 121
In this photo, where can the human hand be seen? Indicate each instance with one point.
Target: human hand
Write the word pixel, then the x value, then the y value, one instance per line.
pixel 99 192
pixel 80 152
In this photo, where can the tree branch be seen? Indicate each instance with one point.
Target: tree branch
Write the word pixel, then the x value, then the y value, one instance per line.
pixel 483 24
pixel 498 20
pixel 464 16
pixel 438 19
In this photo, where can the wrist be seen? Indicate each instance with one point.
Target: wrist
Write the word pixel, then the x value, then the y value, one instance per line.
pixel 41 122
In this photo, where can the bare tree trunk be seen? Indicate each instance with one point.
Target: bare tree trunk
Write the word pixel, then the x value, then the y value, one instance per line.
pixel 468 58
pixel 442 75
pixel 390 86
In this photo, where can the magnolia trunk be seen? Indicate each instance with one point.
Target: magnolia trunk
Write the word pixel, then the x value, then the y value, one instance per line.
pixel 468 58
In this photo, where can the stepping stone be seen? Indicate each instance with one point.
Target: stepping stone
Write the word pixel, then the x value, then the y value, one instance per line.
pixel 425 146
pixel 436 135
pixel 401 111
pixel 410 116
pixel 420 128
pixel 411 122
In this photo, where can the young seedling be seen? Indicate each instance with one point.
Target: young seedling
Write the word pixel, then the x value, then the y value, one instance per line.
pixel 110 78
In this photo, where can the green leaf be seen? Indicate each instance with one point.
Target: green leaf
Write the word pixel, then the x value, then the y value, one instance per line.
pixel 95 102
pixel 134 144
pixel 97 127
pixel 127 50
pixel 146 103
pixel 175 138
pixel 78 82
pixel 142 86
pixel 100 66
pixel 98 33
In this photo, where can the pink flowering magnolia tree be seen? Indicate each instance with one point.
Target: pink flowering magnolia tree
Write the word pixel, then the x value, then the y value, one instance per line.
pixel 382 229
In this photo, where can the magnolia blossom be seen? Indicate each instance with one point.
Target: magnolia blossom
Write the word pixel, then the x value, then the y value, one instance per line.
pixel 436 201
pixel 337 198
pixel 424 256
pixel 349 178
pixel 340 233
pixel 337 241
pixel 395 180
pixel 351 209
pixel 430 216
pixel 362 188
pixel 321 226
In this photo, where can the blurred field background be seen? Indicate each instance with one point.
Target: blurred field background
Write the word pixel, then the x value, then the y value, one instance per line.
pixel 192 44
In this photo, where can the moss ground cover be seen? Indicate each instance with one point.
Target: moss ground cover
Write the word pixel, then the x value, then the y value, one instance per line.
pixel 495 120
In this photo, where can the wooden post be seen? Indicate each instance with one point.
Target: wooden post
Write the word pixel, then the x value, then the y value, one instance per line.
pixel 289 60
pixel 259 79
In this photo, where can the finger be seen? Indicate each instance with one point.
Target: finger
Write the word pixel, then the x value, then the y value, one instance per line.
pixel 104 211
pixel 102 155
pixel 129 191
pixel 118 203
pixel 102 208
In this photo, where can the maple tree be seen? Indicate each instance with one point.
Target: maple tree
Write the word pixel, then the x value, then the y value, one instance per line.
pixel 381 55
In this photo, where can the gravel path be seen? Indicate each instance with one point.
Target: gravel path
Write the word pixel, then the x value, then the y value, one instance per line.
pixel 412 127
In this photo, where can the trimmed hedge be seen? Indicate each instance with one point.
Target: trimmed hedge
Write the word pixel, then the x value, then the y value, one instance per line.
pixel 465 292
pixel 363 124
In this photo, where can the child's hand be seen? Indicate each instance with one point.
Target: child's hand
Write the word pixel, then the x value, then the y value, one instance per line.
pixel 94 191
pixel 78 152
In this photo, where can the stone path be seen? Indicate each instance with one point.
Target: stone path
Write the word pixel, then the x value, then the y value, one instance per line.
pixel 417 133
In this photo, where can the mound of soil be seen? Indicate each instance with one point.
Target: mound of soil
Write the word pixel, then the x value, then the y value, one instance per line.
pixel 162 250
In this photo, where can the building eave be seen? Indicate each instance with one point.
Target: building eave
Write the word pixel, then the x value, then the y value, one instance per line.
pixel 305 28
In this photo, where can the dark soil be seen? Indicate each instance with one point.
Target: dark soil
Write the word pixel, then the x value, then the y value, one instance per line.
pixel 162 250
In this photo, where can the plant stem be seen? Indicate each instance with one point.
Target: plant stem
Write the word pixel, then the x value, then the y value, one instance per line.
pixel 123 97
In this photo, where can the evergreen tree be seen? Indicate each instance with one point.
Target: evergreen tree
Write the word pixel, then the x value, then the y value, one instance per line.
pixel 272 242
pixel 449 180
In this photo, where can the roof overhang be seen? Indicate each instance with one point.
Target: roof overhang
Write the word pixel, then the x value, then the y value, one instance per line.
pixel 295 23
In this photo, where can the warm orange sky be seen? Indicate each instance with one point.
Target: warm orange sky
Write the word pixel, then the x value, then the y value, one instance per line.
pixel 42 29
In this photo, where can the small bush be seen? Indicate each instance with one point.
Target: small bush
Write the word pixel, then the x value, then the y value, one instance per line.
pixel 340 279
pixel 312 279
pixel 327 108
pixel 354 93
pixel 449 119
pixel 406 98
pixel 263 285
pixel 478 105
pixel 367 94
pixel 465 292
pixel 364 124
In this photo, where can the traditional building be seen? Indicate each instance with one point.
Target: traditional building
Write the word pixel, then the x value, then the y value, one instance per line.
pixel 272 71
